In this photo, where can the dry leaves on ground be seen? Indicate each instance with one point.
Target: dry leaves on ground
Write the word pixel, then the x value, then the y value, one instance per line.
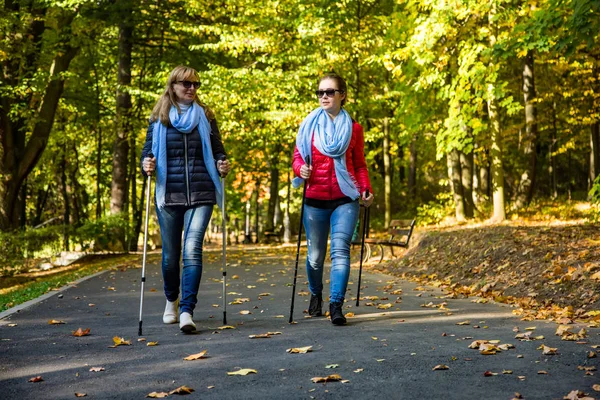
pixel 119 341
pixel 182 390
pixel 243 371
pixel 264 335
pixel 299 350
pixel 196 356
pixel 157 395
pixel 81 332
pixel 96 369
pixel 36 379
pixel 55 322
pixel 329 378
pixel 440 367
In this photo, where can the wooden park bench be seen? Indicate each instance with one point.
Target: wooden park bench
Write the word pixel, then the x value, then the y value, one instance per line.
pixel 399 234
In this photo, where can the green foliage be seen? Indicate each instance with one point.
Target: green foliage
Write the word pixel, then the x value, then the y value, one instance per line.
pixel 435 211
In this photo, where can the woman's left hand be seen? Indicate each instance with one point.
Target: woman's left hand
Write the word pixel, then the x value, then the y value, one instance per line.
pixel 223 166
pixel 367 200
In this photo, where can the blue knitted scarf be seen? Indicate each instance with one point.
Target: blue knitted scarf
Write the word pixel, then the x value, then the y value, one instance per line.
pixel 331 138
pixel 185 123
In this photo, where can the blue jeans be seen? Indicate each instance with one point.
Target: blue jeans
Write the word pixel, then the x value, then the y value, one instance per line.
pixel 193 222
pixel 317 223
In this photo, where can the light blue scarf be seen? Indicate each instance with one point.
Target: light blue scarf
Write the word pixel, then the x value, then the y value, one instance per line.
pixel 185 123
pixel 332 138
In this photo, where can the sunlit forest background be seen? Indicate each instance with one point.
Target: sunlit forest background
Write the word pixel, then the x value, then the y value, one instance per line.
pixel 472 109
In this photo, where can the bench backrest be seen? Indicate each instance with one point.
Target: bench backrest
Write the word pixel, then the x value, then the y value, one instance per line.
pixel 401 227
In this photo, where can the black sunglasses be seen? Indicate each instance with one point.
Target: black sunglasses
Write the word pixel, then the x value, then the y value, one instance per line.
pixel 189 84
pixel 328 92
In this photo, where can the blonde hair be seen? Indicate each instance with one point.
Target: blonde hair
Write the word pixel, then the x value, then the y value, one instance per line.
pixel 168 97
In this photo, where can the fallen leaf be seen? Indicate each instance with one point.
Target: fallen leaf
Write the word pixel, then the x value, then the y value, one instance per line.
pixel 507 372
pixel 329 378
pixel 119 341
pixel 299 350
pixel 11 325
pixel 245 312
pixel 152 344
pixel 226 327
pixel 80 394
pixel 55 322
pixel 464 323
pixel 489 373
pixel 96 369
pixel 332 366
pixel 596 387
pixel 542 372
pixel 440 367
pixel 358 370
pixel 142 339
pixel 591 354
pixel 196 356
pixel 264 294
pixel 157 395
pixel 81 332
pixel 243 371
pixel 182 390
pixel 384 306
pixel 548 351
pixel 349 315
pixel 36 379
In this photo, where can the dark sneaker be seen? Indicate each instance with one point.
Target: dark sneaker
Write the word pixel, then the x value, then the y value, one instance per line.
pixel 336 314
pixel 316 306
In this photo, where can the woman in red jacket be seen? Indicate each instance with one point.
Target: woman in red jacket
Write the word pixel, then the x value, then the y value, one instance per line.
pixel 336 179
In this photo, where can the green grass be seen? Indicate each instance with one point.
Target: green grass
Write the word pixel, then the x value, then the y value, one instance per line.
pixel 41 285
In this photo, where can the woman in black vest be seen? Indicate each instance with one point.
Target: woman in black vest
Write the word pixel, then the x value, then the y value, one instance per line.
pixel 189 159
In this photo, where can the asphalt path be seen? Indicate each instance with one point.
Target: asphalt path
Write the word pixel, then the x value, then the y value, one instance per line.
pixel 388 350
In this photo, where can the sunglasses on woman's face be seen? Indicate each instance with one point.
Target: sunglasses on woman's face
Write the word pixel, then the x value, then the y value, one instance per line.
pixel 328 92
pixel 189 84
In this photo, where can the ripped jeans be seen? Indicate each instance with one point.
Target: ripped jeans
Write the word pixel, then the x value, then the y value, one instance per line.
pixel 317 223
pixel 174 220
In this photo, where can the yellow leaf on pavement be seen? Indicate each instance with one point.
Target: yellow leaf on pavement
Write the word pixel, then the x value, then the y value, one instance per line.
pixel 243 371
pixel 55 322
pixel 182 390
pixel 299 350
pixel 440 367
pixel 152 344
pixel 157 395
pixel 119 341
pixel 329 378
pixel 196 356
pixel 81 332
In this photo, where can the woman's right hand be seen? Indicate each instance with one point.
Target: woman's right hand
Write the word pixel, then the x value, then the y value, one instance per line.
pixel 305 171
pixel 149 165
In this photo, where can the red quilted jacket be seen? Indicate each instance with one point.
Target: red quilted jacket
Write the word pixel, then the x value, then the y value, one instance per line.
pixel 322 184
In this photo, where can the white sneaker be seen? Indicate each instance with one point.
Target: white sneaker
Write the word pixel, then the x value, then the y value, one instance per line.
pixel 186 324
pixel 171 311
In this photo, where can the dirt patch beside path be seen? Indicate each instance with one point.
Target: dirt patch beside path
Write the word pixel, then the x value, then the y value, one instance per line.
pixel 546 270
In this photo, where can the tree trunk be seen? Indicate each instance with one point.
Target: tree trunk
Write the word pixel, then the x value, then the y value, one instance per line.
pixel 287 232
pixel 453 160
pixel 247 235
pixel 496 139
pixel 412 169
pixel 466 172
pixel 273 196
pixel 65 195
pixel 552 163
pixel 387 170
pixel 594 152
pixel 527 182
pixel 136 208
pixel 16 162
pixel 256 210
pixel 119 192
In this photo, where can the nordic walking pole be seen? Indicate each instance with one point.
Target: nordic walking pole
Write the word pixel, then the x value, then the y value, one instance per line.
pixel 298 251
pixel 362 250
pixel 149 182
pixel 224 229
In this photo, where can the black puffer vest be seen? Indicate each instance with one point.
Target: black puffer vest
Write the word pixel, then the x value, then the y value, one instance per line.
pixel 188 180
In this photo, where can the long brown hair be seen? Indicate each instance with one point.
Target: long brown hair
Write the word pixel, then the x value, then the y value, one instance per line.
pixel 168 97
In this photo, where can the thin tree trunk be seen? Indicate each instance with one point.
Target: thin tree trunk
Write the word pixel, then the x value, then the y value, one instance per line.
pixel 412 169
pixel 119 192
pixel 247 235
pixel 256 209
pixel 453 160
pixel 387 170
pixel 273 196
pixel 496 138
pixel 527 182
pixel 594 152
pixel 552 163
pixel 65 194
pixel 466 172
